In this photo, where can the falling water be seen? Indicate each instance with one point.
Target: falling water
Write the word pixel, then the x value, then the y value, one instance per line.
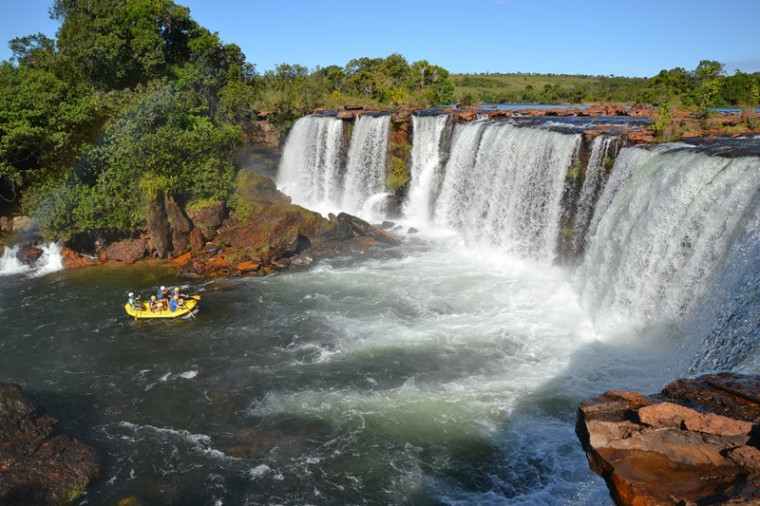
pixel 603 148
pixel 441 371
pixel 310 168
pixel 426 164
pixel 315 173
pixel 367 159
pixel 503 186
pixel 666 231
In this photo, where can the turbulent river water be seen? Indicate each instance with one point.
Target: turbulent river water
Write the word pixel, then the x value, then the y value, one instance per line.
pixel 447 370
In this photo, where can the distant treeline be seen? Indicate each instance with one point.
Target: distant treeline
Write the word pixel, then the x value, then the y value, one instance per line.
pixel 704 87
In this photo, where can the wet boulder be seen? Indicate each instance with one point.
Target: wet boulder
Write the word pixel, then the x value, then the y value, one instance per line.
pixel 696 442
pixel 28 253
pixel 38 465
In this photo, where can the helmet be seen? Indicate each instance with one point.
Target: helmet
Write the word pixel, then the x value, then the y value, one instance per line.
pixel 163 288
pixel 131 294
pixel 152 297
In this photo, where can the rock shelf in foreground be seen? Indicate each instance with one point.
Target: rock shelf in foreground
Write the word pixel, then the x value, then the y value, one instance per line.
pixel 696 442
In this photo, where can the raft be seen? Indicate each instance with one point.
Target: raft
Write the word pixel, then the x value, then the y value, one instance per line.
pixel 191 307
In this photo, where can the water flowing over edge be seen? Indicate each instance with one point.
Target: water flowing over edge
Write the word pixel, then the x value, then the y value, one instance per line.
pixel 651 229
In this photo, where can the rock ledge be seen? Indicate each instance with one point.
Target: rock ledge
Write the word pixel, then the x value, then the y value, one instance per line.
pixel 696 442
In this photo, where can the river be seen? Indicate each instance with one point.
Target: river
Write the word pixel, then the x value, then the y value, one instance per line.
pixel 447 370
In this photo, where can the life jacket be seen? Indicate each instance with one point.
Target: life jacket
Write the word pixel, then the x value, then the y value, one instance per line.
pixel 173 305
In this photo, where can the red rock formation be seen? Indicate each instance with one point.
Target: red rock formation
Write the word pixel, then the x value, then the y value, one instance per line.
pixel 73 260
pixel 694 443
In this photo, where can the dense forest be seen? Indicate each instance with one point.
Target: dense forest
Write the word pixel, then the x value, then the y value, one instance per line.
pixel 134 101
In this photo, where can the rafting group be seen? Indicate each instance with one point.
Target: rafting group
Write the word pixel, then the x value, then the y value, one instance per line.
pixel 166 303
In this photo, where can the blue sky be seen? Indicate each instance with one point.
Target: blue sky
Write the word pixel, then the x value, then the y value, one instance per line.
pixel 597 37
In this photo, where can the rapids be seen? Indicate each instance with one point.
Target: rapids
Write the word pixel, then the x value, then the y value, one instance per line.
pixel 447 370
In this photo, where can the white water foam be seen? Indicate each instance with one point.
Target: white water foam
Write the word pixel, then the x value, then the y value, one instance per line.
pixel 50 261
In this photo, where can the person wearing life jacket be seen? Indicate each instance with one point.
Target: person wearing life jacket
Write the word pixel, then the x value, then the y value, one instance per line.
pixel 175 302
pixel 154 304
pixel 175 291
pixel 134 302
pixel 161 295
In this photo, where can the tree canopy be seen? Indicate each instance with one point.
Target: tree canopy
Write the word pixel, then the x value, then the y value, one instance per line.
pixel 132 98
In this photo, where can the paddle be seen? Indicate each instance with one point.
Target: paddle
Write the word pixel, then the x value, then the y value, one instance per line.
pixel 196 297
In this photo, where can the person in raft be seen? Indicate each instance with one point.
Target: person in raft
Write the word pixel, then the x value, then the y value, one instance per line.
pixel 175 302
pixel 175 291
pixel 155 305
pixel 134 302
pixel 161 295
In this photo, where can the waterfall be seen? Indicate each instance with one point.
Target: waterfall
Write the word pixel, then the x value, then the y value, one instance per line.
pixel 311 161
pixel 666 230
pixel 503 186
pixel 317 174
pixel 603 148
pixel 367 159
pixel 627 161
pixel 426 164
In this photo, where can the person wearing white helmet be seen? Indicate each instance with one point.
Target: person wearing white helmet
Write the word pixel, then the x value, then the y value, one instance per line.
pixel 161 295
pixel 134 302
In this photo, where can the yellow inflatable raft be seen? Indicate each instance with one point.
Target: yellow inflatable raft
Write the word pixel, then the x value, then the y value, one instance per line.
pixel 191 307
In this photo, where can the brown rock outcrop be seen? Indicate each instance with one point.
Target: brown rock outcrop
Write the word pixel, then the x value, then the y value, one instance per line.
pixel 179 226
pixel 696 442
pixel 128 251
pixel 38 466
pixel 262 133
pixel 266 234
pixel 158 227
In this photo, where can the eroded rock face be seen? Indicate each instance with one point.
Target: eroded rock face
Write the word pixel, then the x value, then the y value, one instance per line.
pixel 38 466
pixel 696 442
